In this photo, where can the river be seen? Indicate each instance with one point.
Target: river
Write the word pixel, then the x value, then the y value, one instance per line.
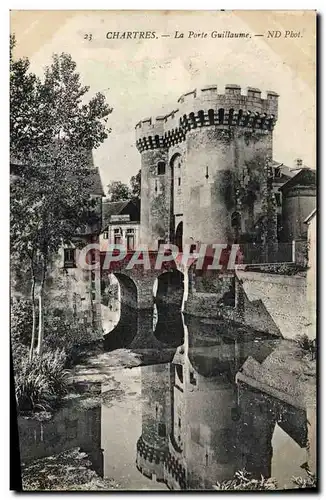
pixel 175 418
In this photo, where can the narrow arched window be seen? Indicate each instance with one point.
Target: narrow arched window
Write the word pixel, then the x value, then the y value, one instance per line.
pixel 236 219
pixel 231 112
pixel 221 115
pixel 161 429
pixel 193 119
pixel 201 117
pixel 161 168
pixel 211 116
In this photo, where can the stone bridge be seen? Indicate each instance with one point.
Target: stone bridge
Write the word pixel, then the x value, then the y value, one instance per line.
pixel 136 279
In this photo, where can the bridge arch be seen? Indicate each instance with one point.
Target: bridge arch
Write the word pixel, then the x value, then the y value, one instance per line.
pixel 128 290
pixel 169 330
pixel 170 288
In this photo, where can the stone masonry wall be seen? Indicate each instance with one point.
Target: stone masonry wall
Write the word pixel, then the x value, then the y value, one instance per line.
pixel 276 302
pixel 74 290
pixel 222 139
pixel 155 196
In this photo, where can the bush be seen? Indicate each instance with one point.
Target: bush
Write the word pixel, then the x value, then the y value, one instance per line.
pixel 306 344
pixel 309 482
pixel 21 321
pixel 42 382
pixel 285 268
pixel 243 481
pixel 62 333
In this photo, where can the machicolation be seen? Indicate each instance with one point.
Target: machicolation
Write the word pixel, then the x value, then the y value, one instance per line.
pixel 205 107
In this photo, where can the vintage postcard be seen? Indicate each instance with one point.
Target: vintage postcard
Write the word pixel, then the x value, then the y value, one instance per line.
pixel 163 250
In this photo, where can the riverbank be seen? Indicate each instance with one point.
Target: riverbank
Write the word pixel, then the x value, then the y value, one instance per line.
pixel 67 471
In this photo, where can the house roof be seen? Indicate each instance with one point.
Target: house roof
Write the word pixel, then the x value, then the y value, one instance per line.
pixel 285 172
pixel 95 182
pixel 124 207
pixel 113 207
pixel 306 177
pixel 311 215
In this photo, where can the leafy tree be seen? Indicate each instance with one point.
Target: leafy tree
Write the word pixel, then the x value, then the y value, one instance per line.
pixel 20 321
pixel 52 132
pixel 118 191
pixel 135 183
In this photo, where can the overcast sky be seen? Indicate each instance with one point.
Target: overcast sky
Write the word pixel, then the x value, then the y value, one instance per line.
pixel 142 78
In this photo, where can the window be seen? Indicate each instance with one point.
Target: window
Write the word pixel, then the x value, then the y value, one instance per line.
pixel 130 235
pixel 117 236
pixel 236 220
pixel 74 304
pixel 69 257
pixel 277 172
pixel 159 243
pixel 179 181
pixel 93 258
pixel 192 379
pixel 278 199
pixel 161 430
pixel 161 168
pixel 105 235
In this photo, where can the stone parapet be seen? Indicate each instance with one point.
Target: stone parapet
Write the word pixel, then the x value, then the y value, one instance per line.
pixel 206 107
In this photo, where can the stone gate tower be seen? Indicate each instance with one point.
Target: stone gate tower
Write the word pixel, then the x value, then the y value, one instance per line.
pixel 202 166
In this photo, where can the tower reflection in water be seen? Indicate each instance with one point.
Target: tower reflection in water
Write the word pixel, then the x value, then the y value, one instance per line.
pixel 198 425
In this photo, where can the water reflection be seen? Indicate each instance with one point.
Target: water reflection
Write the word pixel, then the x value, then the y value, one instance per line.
pixel 159 328
pixel 183 422
pixel 68 428
pixel 198 425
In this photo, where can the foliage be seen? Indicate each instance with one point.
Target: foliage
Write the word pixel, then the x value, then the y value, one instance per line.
pixel 243 481
pixel 268 223
pixel 40 383
pixel 306 344
pixel 308 482
pixel 21 321
pixel 69 470
pixel 287 269
pixel 64 333
pixel 135 182
pixel 52 133
pixel 118 191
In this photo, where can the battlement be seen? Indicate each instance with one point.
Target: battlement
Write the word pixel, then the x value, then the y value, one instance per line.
pixel 233 97
pixel 206 106
pixel 150 126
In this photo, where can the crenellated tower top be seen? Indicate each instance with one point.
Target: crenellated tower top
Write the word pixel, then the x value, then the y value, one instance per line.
pixel 205 107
